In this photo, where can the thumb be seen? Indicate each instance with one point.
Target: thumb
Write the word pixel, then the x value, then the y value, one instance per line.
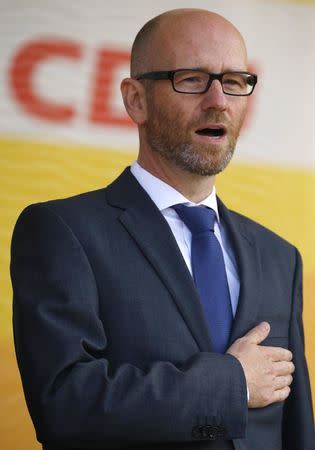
pixel 259 333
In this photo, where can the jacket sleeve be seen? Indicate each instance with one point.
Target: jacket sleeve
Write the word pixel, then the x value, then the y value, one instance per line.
pixel 298 421
pixel 72 393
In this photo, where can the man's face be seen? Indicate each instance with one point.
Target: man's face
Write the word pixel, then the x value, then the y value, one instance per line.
pixel 182 127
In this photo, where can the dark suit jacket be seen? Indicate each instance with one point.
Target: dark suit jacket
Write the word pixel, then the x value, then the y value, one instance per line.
pixel 111 339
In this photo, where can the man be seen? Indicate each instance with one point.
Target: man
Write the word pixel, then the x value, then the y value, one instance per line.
pixel 118 344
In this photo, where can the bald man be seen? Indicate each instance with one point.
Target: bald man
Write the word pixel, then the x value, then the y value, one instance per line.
pixel 117 342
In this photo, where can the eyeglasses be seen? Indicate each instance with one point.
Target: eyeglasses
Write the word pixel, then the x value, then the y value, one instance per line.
pixel 190 81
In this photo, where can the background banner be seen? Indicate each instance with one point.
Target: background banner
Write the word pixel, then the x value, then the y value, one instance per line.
pixel 63 130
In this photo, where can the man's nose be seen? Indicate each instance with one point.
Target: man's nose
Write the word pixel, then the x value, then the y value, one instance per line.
pixel 214 98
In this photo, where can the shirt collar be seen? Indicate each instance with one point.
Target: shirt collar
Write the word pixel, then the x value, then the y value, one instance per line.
pixel 164 195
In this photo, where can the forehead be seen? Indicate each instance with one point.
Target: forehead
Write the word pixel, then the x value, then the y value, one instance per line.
pixel 202 43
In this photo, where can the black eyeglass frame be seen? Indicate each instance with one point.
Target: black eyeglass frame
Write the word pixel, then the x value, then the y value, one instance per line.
pixel 170 75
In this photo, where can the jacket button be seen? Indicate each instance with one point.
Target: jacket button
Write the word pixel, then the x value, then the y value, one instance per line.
pixel 204 432
pixel 196 432
pixel 211 432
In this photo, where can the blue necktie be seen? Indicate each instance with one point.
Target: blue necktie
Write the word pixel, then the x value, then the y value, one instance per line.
pixel 209 272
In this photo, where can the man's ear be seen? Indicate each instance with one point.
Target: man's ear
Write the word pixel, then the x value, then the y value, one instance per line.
pixel 133 95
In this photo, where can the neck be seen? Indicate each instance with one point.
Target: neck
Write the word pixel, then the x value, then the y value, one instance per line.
pixel 192 186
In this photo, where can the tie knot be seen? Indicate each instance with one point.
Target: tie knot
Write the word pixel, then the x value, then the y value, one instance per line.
pixel 197 218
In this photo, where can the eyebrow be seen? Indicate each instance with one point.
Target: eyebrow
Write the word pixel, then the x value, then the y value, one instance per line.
pixel 203 69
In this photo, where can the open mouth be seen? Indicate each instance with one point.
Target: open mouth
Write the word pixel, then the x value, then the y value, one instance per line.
pixel 212 132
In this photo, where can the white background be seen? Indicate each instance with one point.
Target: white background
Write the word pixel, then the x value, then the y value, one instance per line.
pixel 281 43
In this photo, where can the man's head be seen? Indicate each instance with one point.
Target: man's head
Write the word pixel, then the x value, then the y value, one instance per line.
pixel 196 132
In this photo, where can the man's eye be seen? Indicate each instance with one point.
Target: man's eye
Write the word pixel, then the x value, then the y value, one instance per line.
pixel 191 80
pixel 234 82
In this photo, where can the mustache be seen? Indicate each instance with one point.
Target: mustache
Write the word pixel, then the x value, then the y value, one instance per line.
pixel 212 117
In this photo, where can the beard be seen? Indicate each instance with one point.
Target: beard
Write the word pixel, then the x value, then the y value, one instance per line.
pixel 172 140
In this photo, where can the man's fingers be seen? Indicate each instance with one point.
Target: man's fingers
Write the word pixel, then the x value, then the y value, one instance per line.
pixel 283 381
pixel 283 368
pixel 277 353
pixel 259 333
pixel 281 394
pixel 268 370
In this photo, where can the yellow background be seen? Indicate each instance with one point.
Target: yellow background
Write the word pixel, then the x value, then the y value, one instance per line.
pixel 281 199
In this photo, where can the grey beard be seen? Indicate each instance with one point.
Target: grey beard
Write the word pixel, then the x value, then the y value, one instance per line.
pixel 199 164
pixel 186 158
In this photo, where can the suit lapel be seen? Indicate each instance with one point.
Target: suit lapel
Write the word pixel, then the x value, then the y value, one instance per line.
pixel 250 272
pixel 147 226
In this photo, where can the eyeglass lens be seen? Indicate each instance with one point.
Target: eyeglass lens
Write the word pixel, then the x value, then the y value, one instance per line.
pixel 193 81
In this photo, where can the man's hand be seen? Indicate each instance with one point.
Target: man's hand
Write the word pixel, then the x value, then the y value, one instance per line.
pixel 267 369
